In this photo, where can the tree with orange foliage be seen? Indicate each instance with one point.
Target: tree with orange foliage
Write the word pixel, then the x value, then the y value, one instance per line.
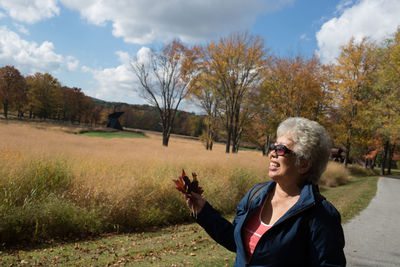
pixel 12 88
pixel 292 87
pixel 164 81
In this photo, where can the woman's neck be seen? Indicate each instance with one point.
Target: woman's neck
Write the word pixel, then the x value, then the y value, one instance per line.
pixel 288 190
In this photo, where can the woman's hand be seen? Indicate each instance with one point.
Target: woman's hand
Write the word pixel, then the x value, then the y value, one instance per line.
pixel 195 202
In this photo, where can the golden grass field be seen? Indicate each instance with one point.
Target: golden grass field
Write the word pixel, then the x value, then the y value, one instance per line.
pixel 129 180
pixel 118 183
pixel 115 166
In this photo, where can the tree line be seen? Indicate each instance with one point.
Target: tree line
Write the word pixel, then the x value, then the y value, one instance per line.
pixel 245 91
pixel 42 96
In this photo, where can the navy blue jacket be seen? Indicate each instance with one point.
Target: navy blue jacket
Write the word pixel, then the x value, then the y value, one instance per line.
pixel 309 234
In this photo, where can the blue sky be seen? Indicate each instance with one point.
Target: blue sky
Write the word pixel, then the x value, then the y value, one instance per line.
pixel 90 43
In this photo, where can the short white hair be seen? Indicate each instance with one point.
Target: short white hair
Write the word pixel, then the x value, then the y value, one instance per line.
pixel 311 142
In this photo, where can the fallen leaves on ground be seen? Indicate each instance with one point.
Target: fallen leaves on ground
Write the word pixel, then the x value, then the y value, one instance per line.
pixel 183 245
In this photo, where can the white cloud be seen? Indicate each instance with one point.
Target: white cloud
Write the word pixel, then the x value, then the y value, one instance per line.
pixel 30 11
pixel 28 57
pixel 21 28
pixel 376 19
pixel 304 37
pixel 115 84
pixel 72 63
pixel 143 55
pixel 146 21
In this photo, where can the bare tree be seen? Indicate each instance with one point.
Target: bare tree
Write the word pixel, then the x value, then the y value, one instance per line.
pixel 164 80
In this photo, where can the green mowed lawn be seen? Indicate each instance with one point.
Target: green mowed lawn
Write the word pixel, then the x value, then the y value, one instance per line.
pixel 120 134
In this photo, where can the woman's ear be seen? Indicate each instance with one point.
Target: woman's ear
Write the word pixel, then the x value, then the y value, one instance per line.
pixel 305 166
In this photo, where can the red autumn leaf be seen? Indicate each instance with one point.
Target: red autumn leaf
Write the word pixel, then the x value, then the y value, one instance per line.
pixel 184 185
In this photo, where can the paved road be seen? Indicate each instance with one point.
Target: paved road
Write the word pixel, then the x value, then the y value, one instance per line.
pixel 373 237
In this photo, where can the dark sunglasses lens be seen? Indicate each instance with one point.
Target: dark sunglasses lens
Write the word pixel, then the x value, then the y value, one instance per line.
pixel 279 149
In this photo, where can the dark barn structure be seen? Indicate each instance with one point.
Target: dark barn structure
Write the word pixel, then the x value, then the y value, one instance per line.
pixel 113 121
pixel 337 154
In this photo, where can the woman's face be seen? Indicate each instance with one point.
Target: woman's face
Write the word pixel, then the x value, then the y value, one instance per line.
pixel 283 168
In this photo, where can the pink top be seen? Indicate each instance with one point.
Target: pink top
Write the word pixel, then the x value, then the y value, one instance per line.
pixel 252 231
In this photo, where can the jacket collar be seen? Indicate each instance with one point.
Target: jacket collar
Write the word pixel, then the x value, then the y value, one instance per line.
pixel 307 199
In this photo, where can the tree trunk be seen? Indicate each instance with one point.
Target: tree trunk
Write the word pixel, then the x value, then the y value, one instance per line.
pixel 373 163
pixel 166 131
pixel 347 155
pixel 165 139
pixel 236 130
pixel 207 136
pixel 228 141
pixel 5 109
pixel 384 156
pixel 210 140
pixel 391 152
pixel 235 140
pixel 228 134
pixel 20 114
pixel 266 147
pixel 263 150
pixel 235 145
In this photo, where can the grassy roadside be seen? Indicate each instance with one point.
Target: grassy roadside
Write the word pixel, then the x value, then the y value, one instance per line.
pixel 181 245
pixel 352 197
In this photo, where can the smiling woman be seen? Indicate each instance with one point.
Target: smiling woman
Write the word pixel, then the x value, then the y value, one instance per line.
pixel 288 216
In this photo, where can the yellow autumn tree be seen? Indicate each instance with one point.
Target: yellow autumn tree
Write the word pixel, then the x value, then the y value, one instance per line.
pixel 234 65
pixel 354 77
pixel 385 111
pixel 297 87
pixel 44 95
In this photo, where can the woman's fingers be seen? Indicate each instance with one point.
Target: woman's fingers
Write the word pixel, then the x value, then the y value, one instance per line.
pixel 195 202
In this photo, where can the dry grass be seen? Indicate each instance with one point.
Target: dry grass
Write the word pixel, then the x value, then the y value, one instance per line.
pixel 130 180
pixel 123 183
pixel 335 174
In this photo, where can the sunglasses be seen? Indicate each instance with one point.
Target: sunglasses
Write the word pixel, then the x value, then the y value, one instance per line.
pixel 280 150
